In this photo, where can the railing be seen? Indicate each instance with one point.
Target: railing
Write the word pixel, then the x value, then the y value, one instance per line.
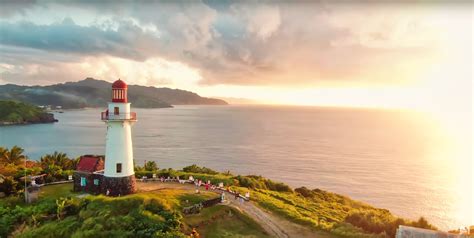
pixel 132 116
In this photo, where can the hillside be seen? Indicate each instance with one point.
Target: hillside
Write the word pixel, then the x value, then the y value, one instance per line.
pixel 12 112
pixel 158 209
pixel 96 93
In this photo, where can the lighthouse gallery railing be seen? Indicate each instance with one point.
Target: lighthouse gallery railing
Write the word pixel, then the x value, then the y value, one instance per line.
pixel 121 116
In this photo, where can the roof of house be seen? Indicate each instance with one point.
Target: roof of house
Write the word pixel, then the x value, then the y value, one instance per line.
pixel 90 163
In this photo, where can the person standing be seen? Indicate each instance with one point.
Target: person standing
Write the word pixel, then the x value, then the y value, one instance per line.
pixel 194 233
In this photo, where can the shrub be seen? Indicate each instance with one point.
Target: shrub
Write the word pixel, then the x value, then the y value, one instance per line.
pixel 167 173
pixel 258 182
pixel 8 185
pixel 150 166
pixel 382 221
pixel 140 174
pixel 201 170
pixel 303 191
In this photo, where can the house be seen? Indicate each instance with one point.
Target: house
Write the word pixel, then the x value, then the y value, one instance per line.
pixel 414 232
pixel 88 176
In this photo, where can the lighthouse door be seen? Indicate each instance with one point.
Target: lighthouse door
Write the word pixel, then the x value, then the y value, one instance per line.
pixel 116 111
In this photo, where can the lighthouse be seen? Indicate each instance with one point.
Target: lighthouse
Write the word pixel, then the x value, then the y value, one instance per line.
pixel 119 175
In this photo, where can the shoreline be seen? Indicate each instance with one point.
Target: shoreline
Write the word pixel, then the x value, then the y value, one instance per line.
pixel 4 123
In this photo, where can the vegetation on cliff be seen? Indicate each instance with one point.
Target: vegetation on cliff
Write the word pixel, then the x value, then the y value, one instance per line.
pixel 148 215
pixel 13 112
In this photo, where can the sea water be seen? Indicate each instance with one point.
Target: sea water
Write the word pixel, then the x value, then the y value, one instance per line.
pixel 398 160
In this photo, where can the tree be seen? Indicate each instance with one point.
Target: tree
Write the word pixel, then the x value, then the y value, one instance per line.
pixel 54 173
pixel 13 156
pixel 57 159
pixel 8 185
pixel 151 166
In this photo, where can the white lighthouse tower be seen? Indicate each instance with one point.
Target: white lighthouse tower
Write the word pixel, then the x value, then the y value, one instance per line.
pixel 119 176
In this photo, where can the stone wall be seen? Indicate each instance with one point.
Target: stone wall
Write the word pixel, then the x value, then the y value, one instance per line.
pixel 118 186
pixel 90 186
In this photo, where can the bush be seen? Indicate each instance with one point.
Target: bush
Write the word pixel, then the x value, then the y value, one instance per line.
pixel 305 192
pixel 348 230
pixel 137 215
pixel 382 221
pixel 8 185
pixel 201 170
pixel 140 174
pixel 150 166
pixel 258 182
pixel 167 173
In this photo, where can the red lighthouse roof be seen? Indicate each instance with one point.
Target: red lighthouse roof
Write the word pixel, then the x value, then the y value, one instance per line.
pixel 119 84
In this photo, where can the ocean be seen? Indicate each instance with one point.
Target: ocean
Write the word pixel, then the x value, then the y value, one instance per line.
pixel 402 161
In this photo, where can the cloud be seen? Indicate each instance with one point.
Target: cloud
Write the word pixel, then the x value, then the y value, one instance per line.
pixel 151 72
pixel 11 7
pixel 299 44
pixel 68 37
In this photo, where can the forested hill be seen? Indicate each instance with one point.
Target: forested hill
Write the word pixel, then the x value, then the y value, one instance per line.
pixel 12 112
pixel 96 93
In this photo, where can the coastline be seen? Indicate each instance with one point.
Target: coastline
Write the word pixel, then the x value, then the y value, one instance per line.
pixel 45 118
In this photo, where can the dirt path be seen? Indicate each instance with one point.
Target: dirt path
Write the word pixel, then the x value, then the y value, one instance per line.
pixel 274 225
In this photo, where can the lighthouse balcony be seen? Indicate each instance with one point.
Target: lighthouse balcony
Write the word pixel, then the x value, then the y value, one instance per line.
pixel 132 116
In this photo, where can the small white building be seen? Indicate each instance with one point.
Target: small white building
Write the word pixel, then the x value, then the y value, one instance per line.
pixel 414 232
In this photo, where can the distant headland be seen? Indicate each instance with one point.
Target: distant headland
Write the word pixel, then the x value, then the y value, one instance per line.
pixel 13 113
pixel 95 93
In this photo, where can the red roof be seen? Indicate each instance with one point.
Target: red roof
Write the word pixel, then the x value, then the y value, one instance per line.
pixel 90 164
pixel 119 84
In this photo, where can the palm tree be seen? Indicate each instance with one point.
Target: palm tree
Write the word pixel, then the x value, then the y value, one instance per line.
pixel 13 156
pixel 57 159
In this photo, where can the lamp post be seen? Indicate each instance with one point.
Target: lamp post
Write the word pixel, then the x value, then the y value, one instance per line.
pixel 26 199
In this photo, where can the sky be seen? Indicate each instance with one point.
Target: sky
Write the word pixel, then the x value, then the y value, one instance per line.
pixel 331 53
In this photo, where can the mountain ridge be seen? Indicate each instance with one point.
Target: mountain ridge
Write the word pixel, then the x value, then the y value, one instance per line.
pixel 92 92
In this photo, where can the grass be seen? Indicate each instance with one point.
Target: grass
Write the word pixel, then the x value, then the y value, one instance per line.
pixel 57 191
pixel 46 192
pixel 325 212
pixel 213 221
pixel 180 198
pixel 223 221
pixel 104 213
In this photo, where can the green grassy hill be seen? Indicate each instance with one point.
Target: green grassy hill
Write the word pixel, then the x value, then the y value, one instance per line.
pixel 158 212
pixel 146 214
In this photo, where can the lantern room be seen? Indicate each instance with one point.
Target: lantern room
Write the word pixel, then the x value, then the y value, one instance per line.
pixel 119 91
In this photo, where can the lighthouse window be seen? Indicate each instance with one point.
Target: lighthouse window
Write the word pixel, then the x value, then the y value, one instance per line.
pixel 116 111
pixel 119 168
